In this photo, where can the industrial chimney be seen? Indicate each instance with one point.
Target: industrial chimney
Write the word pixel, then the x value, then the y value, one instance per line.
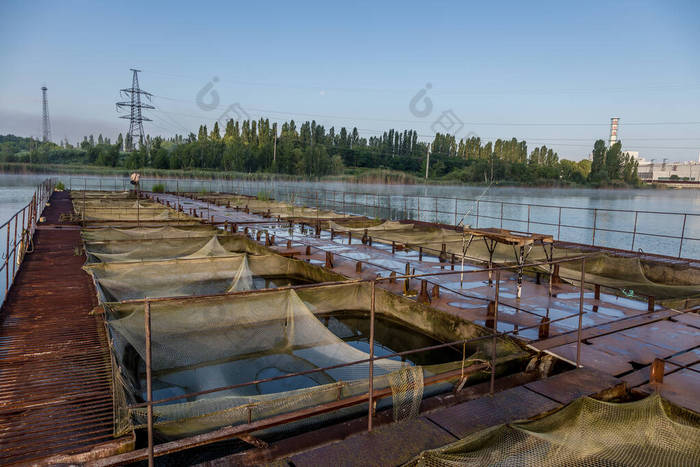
pixel 613 130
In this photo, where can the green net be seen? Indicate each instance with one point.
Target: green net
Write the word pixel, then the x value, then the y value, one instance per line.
pixel 203 343
pixel 201 274
pixel 103 234
pixel 632 276
pixel 587 432
pixel 171 248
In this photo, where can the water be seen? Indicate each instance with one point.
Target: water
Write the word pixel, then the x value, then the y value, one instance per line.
pixel 567 214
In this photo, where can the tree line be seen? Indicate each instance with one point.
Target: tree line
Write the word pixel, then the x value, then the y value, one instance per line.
pixel 311 150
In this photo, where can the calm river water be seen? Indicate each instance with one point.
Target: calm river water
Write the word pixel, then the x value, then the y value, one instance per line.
pixel 662 217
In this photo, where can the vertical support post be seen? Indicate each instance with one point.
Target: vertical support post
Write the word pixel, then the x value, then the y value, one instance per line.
pixel 528 217
pixel 7 259
pixel 455 211
pixel 595 222
pixel 14 249
pixel 436 211
pixel 418 209
pixel 371 357
pixel 580 313
pixel 501 214
pixel 634 231
pixel 495 333
pixel 477 213
pixel 149 388
pixel 680 247
pixel 559 225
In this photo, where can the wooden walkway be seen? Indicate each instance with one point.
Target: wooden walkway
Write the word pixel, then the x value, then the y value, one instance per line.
pixel 55 372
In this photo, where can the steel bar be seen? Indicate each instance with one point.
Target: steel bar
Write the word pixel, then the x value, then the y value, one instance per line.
pixel 495 333
pixel 580 313
pixel 149 388
pixel 371 358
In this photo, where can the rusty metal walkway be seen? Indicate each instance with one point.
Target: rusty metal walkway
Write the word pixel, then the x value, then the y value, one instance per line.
pixel 55 373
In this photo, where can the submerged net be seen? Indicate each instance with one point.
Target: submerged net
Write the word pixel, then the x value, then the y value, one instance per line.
pixel 204 343
pixel 148 233
pixel 171 248
pixel 197 274
pixel 650 431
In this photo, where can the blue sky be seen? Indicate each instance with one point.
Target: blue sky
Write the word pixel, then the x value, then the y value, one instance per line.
pixel 551 73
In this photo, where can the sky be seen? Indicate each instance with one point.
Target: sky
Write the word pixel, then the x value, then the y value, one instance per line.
pixel 551 73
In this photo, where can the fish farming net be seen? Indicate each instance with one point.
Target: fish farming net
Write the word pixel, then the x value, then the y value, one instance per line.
pixel 171 248
pixel 204 343
pixel 198 274
pixel 406 391
pixel 273 208
pixel 632 276
pixel 148 233
pixel 587 432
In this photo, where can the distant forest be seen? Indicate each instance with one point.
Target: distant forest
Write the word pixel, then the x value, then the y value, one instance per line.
pixel 313 151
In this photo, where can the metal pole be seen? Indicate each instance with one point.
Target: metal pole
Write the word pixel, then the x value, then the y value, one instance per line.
pixel 149 389
pixel 501 214
pixel 559 225
pixel 477 213
pixel 371 358
pixel 595 221
pixel 455 211
pixel 495 333
pixel 634 232
pixel 580 313
pixel 680 247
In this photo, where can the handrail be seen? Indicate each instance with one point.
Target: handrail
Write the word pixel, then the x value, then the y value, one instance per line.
pixel 16 246
pixel 442 209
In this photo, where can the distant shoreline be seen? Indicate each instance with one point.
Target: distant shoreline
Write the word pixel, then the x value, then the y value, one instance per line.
pixel 369 177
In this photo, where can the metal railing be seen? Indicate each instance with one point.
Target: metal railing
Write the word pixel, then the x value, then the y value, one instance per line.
pixel 18 233
pixel 153 450
pixel 670 234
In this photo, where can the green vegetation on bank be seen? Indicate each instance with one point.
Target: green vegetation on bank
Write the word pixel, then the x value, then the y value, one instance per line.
pixel 311 151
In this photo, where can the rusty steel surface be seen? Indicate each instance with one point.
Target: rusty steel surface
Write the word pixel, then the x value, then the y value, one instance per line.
pixel 55 373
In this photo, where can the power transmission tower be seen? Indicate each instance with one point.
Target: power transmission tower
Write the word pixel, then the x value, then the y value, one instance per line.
pixel 134 93
pixel 46 124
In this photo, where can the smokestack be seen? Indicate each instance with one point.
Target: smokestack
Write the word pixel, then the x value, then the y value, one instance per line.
pixel 613 130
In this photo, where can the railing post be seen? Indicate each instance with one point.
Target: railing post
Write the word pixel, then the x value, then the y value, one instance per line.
pixel 580 313
pixel 595 221
pixel 528 217
pixel 495 333
pixel 418 208
pixel 634 231
pixel 559 225
pixel 371 357
pixel 477 213
pixel 680 247
pixel 455 211
pixel 14 250
pixel 436 211
pixel 501 214
pixel 149 389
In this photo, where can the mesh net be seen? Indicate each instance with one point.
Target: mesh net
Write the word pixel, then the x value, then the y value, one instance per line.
pixel 200 274
pixel 650 431
pixel 147 233
pixel 204 343
pixel 631 275
pixel 406 391
pixel 171 248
